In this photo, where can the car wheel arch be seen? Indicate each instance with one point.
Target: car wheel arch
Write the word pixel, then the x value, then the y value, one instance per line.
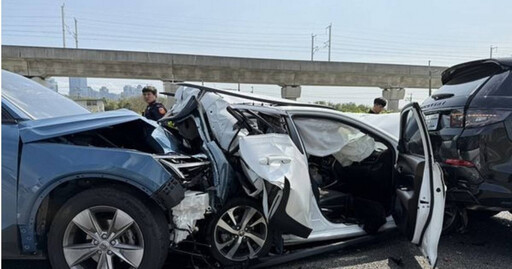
pixel 45 207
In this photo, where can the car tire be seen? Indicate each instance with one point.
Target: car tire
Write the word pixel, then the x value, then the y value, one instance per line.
pixel 237 232
pixel 108 226
pixel 452 220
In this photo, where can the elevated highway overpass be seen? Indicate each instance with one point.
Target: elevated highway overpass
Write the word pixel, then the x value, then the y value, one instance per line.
pixel 42 62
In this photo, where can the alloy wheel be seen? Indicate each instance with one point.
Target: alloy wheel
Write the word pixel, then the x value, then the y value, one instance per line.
pixel 241 233
pixel 103 237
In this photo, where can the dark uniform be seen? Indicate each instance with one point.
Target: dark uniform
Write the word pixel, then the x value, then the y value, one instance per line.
pixel 155 111
pixel 371 111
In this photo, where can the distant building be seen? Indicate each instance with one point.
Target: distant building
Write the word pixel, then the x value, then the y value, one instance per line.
pixel 90 93
pixel 78 87
pixel 104 90
pixel 78 90
pixel 130 91
pixel 93 105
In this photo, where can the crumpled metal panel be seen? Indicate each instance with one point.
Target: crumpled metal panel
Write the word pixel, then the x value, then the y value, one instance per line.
pixel 275 157
pixel 185 215
pixel 36 130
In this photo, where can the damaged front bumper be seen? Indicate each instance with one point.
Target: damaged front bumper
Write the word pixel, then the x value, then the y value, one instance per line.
pixel 170 193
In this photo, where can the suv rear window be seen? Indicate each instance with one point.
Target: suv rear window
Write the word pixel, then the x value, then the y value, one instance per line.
pixel 498 85
pixel 465 80
pixel 495 94
pixel 461 89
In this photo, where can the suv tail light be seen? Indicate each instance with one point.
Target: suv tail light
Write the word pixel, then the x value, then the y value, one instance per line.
pixel 457 119
pixel 475 118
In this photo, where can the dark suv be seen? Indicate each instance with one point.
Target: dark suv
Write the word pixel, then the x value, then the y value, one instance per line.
pixel 470 124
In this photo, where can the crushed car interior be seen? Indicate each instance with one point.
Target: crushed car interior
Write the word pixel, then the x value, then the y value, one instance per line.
pixel 350 171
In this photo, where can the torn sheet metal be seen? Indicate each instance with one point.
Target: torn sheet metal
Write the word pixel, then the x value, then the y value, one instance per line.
pixel 221 122
pixel 192 208
pixel 166 140
pixel 274 157
pixel 183 96
pixel 326 137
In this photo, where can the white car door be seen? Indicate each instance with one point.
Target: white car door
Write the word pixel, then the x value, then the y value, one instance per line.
pixel 420 189
pixel 275 159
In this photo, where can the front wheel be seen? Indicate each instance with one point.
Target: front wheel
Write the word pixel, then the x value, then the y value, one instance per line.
pixel 239 232
pixel 107 228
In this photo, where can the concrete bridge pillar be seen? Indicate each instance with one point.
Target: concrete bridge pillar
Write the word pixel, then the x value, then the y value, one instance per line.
pixel 41 81
pixel 291 92
pixel 170 87
pixel 393 96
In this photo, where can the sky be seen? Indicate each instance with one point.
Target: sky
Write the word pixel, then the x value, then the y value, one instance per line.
pixel 382 31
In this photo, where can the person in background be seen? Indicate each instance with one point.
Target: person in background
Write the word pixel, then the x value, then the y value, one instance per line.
pixel 154 110
pixel 378 105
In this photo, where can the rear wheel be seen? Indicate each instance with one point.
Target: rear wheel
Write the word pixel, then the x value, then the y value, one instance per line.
pixel 453 218
pixel 106 228
pixel 239 232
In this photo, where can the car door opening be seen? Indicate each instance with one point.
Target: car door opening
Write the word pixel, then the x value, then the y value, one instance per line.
pixel 351 172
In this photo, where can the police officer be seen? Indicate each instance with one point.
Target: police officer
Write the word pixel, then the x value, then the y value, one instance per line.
pixel 154 110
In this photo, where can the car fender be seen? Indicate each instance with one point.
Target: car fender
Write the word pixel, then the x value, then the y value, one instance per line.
pixel 42 172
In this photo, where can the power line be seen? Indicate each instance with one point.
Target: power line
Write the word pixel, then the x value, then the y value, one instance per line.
pixel 246 33
pixel 210 43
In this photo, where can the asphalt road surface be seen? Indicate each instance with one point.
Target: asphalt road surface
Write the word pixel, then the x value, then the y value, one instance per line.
pixel 487 244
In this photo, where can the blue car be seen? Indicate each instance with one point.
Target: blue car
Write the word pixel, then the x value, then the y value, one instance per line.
pixel 224 176
pixel 82 188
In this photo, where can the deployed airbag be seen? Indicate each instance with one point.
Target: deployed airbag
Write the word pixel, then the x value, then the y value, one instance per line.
pixel 323 137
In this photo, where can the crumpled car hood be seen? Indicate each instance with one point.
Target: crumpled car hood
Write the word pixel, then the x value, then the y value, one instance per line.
pixel 36 130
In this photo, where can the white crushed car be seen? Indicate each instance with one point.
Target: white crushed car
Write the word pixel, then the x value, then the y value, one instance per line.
pixel 285 173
